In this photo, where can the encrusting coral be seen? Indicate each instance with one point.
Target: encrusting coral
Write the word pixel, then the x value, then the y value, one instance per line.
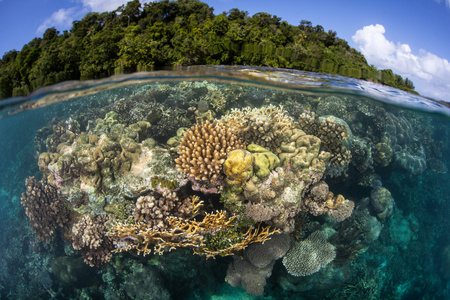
pixel 204 149
pixel 89 235
pixel 308 256
pixel 44 208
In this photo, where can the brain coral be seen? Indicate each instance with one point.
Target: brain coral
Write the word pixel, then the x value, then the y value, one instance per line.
pixel 308 256
pixel 204 149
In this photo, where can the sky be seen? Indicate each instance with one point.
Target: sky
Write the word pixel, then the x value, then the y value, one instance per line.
pixel 411 37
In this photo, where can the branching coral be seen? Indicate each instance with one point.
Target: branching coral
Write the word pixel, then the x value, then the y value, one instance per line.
pixel 204 149
pixel 44 208
pixel 155 209
pixel 186 233
pixel 263 126
pixel 89 235
pixel 308 256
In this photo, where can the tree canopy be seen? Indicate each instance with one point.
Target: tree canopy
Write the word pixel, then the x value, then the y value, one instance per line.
pixel 138 37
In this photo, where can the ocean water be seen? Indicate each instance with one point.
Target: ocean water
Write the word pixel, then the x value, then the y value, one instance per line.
pixel 224 183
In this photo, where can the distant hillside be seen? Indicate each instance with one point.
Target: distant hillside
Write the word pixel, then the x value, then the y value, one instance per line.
pixel 185 32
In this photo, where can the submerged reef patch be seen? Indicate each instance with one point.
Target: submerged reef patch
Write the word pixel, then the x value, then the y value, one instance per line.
pixel 267 183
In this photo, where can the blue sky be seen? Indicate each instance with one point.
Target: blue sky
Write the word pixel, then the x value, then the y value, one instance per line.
pixel 411 37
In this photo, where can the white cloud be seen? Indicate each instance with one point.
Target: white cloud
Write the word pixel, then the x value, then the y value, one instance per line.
pixel 430 73
pixel 106 5
pixel 60 19
pixel 103 5
pixel 447 2
pixel 63 18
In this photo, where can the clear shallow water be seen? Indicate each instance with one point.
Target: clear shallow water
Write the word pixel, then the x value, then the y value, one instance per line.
pixel 391 163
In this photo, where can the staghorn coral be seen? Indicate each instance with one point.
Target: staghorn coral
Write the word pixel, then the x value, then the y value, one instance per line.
pixel 89 235
pixel 252 269
pixel 44 208
pixel 263 126
pixel 187 233
pixel 308 256
pixel 204 149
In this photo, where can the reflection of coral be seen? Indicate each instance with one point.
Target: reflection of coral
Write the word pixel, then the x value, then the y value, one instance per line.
pixel 89 235
pixel 308 256
pixel 252 270
pixel 43 207
pixel 263 126
pixel 204 149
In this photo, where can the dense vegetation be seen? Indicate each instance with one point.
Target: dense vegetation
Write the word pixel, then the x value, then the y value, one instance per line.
pixel 185 32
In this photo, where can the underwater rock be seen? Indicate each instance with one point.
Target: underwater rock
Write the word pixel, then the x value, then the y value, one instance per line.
pixel 252 269
pixel 71 271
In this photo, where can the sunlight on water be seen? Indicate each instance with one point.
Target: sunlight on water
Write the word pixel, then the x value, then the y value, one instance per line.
pixel 297 184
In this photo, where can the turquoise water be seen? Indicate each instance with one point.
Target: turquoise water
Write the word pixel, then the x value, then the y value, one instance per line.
pixel 114 179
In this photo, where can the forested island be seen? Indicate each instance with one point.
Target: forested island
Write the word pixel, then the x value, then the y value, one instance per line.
pixel 166 33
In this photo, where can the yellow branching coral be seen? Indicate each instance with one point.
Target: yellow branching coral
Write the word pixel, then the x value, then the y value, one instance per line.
pixel 204 148
pixel 186 233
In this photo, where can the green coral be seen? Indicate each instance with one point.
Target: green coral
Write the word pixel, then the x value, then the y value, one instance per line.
pixel 265 161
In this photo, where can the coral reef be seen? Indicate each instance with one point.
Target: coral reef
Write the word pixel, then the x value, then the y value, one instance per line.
pixel 44 208
pixel 204 149
pixel 308 256
pixel 263 126
pixel 89 235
